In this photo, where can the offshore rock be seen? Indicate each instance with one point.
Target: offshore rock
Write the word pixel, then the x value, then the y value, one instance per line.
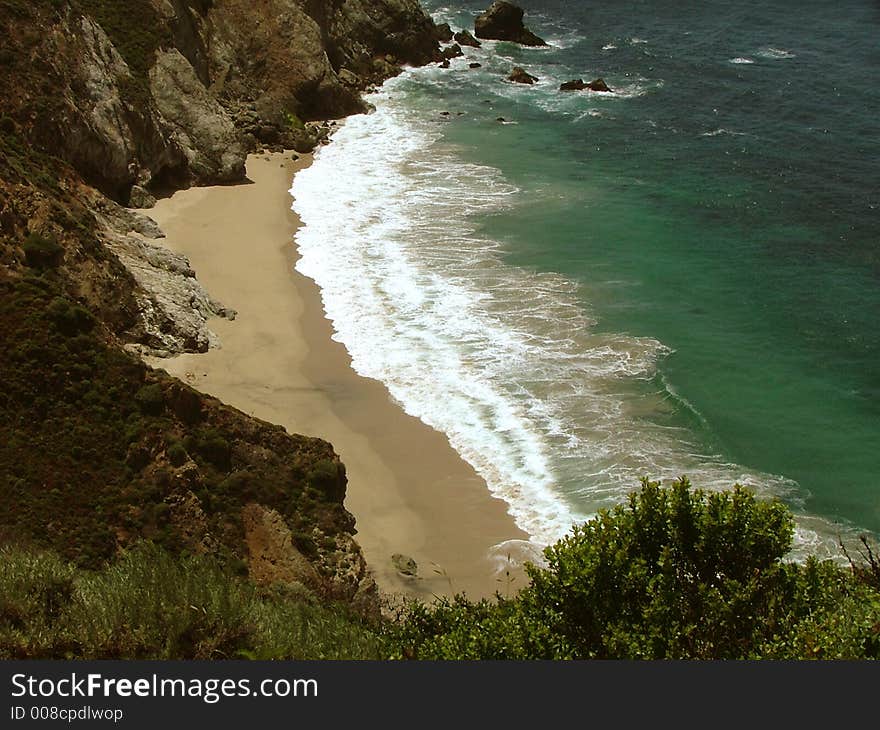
pixel 453 51
pixel 464 38
pixel 443 33
pixel 503 21
pixel 521 76
pixel 581 85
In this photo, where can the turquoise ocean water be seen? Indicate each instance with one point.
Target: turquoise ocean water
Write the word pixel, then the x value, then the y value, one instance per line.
pixel 679 277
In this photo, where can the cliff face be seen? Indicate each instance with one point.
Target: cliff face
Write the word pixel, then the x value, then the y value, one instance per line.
pixel 103 103
pixel 160 93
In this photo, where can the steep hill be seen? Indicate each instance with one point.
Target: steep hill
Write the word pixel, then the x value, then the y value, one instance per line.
pixel 104 104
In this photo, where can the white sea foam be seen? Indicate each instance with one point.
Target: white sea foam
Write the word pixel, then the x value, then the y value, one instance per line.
pixel 419 301
pixel 742 60
pixel 776 54
pixel 722 131
pixel 558 418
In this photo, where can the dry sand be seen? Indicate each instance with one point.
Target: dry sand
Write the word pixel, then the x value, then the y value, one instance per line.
pixel 410 492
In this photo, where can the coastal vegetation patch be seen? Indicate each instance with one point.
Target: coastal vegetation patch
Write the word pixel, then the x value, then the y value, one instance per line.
pixel 675 573
pixel 98 452
pixel 151 604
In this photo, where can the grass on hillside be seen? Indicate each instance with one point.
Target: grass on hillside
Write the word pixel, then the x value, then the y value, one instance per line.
pixel 149 604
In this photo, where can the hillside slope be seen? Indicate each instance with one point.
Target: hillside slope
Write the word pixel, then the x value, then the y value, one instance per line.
pixel 104 104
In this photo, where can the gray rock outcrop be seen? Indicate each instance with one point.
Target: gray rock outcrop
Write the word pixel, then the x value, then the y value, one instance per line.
pixel 199 125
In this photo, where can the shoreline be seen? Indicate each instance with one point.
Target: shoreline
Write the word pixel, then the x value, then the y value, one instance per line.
pixel 409 491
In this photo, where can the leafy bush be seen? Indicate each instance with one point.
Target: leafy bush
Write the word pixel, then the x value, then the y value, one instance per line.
pixel 674 573
pixel 326 478
pixel 150 399
pixel 215 448
pixel 71 319
pixel 41 252
pixel 293 121
pixel 176 453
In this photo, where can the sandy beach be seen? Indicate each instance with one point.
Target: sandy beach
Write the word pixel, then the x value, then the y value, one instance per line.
pixel 409 490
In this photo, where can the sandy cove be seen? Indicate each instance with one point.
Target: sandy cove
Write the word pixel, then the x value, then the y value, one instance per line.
pixel 410 492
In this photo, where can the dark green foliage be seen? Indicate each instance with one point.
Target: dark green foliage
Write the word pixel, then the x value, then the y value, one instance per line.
pixel 151 399
pixel 21 163
pixel 674 573
pixel 654 578
pixel 293 121
pixel 326 478
pixel 83 430
pixel 71 319
pixel 152 605
pixel 211 445
pixel 41 252
pixel 176 454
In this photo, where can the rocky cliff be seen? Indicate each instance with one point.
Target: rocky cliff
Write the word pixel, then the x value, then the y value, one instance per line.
pixel 159 93
pixel 105 104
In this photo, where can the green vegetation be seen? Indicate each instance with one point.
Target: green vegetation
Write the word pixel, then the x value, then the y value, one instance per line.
pixel 41 252
pixel 674 573
pixel 22 164
pixel 90 439
pixel 293 122
pixel 151 605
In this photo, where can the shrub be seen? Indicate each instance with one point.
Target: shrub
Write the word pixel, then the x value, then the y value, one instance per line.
pixel 151 399
pixel 326 476
pixel 673 573
pixel 215 448
pixel 70 319
pixel 41 252
pixel 293 121
pixel 176 453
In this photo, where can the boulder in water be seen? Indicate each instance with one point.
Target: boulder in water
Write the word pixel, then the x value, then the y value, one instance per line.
pixel 581 85
pixel 443 33
pixel 521 76
pixel 503 21
pixel 450 52
pixel 465 38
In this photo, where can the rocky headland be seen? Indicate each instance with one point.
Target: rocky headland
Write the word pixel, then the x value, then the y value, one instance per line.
pixel 105 106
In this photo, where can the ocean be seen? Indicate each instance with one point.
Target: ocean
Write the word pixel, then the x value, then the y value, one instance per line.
pixel 681 277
